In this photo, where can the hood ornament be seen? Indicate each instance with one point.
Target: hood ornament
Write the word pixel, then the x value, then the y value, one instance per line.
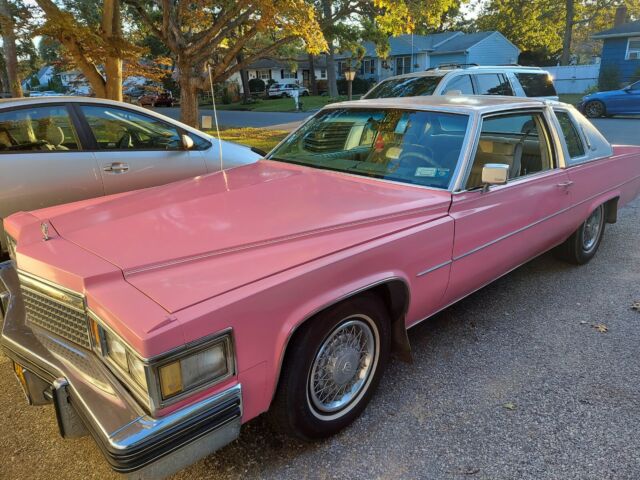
pixel 44 228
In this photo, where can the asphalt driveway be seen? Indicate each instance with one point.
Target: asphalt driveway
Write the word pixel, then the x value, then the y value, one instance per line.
pixel 536 376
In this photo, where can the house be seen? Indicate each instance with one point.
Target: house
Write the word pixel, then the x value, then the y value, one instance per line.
pixel 621 47
pixel 43 76
pixel 413 53
pixel 75 82
pixel 298 71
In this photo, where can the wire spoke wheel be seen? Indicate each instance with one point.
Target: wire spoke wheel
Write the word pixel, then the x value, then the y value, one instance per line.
pixel 343 366
pixel 591 229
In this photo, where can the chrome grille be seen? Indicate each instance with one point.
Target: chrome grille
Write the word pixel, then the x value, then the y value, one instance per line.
pixel 55 310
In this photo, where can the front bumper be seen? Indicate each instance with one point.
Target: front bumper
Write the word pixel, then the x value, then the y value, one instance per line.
pixel 87 396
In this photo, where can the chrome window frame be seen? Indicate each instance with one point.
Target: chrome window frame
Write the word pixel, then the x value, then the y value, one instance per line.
pixel 569 160
pixel 553 141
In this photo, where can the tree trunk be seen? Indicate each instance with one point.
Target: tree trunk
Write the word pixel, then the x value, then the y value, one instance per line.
pixel 313 83
pixel 565 58
pixel 4 76
pixel 244 78
pixel 331 64
pixel 188 98
pixel 112 30
pixel 9 45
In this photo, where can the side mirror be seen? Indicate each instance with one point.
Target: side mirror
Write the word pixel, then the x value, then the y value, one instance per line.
pixel 495 174
pixel 187 141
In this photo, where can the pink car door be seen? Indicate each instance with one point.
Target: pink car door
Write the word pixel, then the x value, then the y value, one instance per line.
pixel 505 226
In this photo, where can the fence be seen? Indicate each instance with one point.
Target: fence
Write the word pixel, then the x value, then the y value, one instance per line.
pixel 574 78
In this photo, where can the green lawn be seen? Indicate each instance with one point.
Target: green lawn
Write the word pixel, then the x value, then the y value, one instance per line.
pixel 253 137
pixel 282 104
pixel 571 98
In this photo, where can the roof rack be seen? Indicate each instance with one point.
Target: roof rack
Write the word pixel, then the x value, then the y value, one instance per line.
pixel 452 66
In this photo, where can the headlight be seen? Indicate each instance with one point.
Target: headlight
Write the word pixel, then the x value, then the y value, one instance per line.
pixel 157 381
pixel 116 350
pixel 198 368
pixel 11 247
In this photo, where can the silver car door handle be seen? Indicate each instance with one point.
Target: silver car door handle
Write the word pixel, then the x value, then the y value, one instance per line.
pixel 116 167
pixel 566 184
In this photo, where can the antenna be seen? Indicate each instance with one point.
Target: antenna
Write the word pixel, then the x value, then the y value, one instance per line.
pixel 215 117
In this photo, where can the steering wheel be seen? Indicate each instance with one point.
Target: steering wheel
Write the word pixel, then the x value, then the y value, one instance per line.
pixel 425 155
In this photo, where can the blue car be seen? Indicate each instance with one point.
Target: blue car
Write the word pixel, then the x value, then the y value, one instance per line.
pixel 625 101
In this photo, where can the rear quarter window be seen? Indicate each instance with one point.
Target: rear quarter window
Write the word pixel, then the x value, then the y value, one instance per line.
pixel 536 84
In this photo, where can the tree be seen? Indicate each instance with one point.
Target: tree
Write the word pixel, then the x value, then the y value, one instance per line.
pixel 8 26
pixel 378 20
pixel 205 33
pixel 49 50
pixel 532 25
pixel 547 27
pixel 92 45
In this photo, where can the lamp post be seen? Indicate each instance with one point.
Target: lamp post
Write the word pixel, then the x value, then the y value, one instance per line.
pixel 349 75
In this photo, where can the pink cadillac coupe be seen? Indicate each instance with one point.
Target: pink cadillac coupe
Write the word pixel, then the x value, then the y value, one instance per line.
pixel 161 320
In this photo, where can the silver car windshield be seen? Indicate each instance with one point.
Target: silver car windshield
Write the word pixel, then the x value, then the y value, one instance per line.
pixel 405 87
pixel 415 147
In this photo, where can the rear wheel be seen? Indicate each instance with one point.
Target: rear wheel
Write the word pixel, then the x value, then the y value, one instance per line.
pixel 581 247
pixel 332 369
pixel 594 109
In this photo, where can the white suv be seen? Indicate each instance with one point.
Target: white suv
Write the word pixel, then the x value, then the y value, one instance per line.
pixel 468 80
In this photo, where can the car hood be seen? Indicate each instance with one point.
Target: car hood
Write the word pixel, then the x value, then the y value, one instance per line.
pixel 191 240
pixel 603 95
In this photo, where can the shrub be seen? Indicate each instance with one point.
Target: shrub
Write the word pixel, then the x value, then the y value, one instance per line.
pixel 609 78
pixel 360 86
pixel 256 85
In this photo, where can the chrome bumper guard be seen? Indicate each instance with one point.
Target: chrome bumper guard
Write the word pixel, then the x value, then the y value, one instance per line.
pixel 88 398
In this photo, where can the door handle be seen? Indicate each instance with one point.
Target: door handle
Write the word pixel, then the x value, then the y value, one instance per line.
pixel 566 184
pixel 116 167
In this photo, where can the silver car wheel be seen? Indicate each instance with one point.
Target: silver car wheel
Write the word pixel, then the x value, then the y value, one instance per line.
pixel 343 367
pixel 591 229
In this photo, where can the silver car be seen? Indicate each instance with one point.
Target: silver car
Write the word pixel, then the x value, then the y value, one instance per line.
pixel 57 150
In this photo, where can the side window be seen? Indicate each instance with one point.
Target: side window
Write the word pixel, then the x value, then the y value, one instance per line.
pixel 571 136
pixel 519 140
pixel 493 84
pixel 119 129
pixel 39 129
pixel 536 84
pixel 461 83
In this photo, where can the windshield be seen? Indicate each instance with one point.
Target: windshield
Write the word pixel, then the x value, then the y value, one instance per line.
pixel 405 87
pixel 415 147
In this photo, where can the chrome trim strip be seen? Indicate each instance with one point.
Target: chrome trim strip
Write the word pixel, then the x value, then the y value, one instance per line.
pixel 520 230
pixel 145 428
pixel 73 300
pixel 434 268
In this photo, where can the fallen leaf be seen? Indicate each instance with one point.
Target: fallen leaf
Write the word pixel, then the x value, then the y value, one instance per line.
pixel 583 322
pixel 510 406
pixel 636 306
pixel 601 327
pixel 468 470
